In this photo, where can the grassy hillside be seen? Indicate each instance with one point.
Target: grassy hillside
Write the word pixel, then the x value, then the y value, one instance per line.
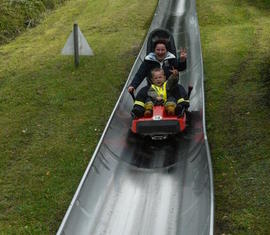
pixel 235 41
pixel 52 115
pixel 17 15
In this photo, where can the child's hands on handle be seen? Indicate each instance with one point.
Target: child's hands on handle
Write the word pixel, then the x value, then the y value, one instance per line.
pixel 159 98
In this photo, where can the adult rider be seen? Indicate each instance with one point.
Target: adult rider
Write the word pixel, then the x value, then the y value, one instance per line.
pixel 160 58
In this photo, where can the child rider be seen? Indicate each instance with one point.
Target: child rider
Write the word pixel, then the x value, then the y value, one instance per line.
pixel 167 92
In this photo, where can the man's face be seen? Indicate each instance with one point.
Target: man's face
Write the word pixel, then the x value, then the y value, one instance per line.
pixel 158 78
pixel 160 51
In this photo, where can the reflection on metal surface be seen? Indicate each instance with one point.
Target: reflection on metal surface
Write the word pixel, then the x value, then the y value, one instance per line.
pixel 136 185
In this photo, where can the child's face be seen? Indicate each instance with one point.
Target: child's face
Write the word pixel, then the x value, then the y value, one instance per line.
pixel 158 78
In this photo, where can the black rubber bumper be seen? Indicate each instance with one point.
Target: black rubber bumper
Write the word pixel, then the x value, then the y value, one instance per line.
pixel 158 127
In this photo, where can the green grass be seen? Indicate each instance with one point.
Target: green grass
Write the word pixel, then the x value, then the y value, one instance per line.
pixel 235 41
pixel 51 114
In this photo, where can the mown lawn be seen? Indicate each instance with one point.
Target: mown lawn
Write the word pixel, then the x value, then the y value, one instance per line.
pixel 235 40
pixel 51 114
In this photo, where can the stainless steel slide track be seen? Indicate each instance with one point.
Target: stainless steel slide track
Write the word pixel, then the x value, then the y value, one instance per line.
pixel 134 186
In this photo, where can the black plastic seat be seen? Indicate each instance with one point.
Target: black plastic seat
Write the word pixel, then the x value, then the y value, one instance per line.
pixel 159 34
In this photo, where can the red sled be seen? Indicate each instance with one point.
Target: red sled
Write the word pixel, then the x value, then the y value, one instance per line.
pixel 160 125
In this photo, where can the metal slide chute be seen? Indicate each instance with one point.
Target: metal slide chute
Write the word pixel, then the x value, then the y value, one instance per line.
pixel 138 186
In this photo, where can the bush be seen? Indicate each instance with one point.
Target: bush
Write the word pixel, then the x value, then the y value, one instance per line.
pixel 17 15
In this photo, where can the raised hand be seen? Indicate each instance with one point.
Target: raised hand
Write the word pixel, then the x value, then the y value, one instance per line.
pixel 174 72
pixel 183 54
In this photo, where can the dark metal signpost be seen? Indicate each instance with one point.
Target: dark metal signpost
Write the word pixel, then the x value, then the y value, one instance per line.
pixel 77 45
